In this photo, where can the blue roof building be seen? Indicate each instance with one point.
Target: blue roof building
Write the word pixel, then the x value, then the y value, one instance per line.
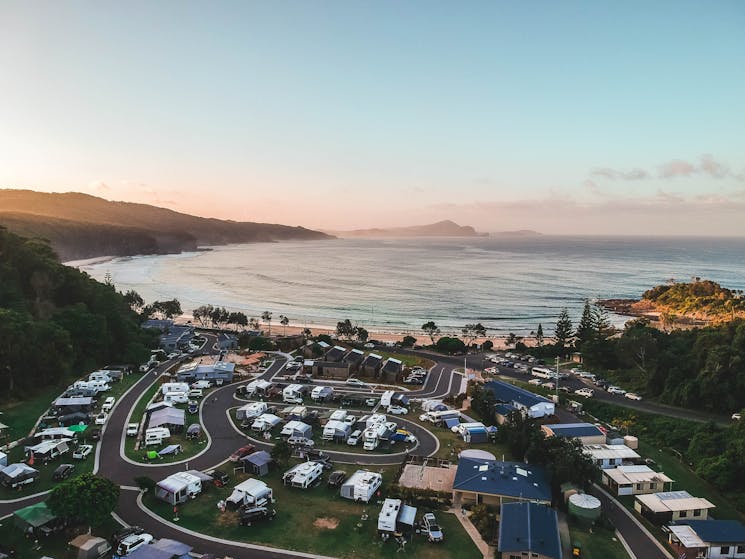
pixel 529 530
pixel 529 404
pixel 708 538
pixel 479 480
pixel 587 433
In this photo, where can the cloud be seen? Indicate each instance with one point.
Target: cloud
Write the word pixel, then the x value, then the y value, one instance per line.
pixel 614 174
pixel 713 168
pixel 98 186
pixel 677 168
pixel 672 169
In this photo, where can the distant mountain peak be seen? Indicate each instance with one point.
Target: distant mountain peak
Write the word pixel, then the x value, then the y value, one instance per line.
pixel 444 228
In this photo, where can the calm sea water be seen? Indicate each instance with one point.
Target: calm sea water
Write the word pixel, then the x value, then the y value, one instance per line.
pixel 508 284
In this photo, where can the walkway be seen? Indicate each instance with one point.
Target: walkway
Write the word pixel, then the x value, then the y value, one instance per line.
pixel 486 550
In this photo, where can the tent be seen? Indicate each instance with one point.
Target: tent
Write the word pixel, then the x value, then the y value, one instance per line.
pixel 86 546
pixel 17 473
pixel 32 517
pixel 152 455
pixel 174 449
pixel 201 475
pixel 167 416
pixel 257 463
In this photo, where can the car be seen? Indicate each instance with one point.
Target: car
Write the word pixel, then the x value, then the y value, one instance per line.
pixel 355 382
pixel 174 355
pixel 633 396
pixel 195 393
pixel 371 402
pixel 736 416
pixel 549 385
pixel 201 384
pixel 300 441
pixel 119 535
pixel 369 345
pixel 129 543
pixel 95 434
pixel 586 392
pixel 354 438
pixel 616 390
pixel 251 515
pixel 63 471
pixel 101 418
pixel 564 389
pixel 241 452
pixel 535 381
pixel 219 478
pixel 413 380
pixel 132 429
pixel 82 452
pixel 431 528
pixel 336 478
pixel 108 404
pixel 397 410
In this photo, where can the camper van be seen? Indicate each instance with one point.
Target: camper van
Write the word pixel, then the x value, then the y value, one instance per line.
pixel 108 404
pixel 156 435
pixel 293 394
pixel 303 475
pixel 176 398
pixel 439 416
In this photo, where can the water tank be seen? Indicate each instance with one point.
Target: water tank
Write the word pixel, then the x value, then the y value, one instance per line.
pixel 631 442
pixel 585 508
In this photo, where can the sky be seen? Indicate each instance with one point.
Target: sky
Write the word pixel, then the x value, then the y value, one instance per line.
pixel 592 117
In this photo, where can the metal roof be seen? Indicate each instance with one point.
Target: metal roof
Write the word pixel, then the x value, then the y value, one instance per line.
pixel 717 531
pixel 670 501
pixel 635 474
pixel 510 479
pixel 529 527
pixel 507 393
pixel 574 430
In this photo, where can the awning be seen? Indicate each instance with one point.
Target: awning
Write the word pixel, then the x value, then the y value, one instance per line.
pixel 35 515
pixel 170 449
pixel 407 515
pixel 77 428
pixel 452 422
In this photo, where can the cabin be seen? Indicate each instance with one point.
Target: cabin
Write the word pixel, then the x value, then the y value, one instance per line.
pixel 361 486
pixel 610 455
pixel 708 539
pixel 635 480
pixel 178 488
pixel 354 359
pixel 529 530
pixel 371 365
pixel 529 404
pixel 586 433
pixel 672 506
pixel 330 369
pixel 491 482
pixel 391 369
pixel 335 354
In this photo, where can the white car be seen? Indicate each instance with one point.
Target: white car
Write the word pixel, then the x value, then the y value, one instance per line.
pixel 616 390
pixel 108 404
pixel 132 542
pixel 586 392
pixel 355 382
pixel 397 410
pixel 535 381
pixel 354 438
pixel 549 385
pixel 633 396
pixel 132 429
pixel 82 452
pixel 174 355
pixel 431 528
pixel 369 345
pixel 101 418
pixel 736 416
pixel 371 402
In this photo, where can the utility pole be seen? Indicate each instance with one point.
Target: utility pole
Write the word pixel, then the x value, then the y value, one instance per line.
pixel 557 379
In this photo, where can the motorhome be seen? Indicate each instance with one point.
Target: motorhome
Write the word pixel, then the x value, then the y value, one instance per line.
pixel 253 492
pixel 361 486
pixel 440 416
pixel 178 488
pixel 372 436
pixel 265 422
pixel 374 419
pixel 303 475
pixel 387 398
pixel 108 404
pixel 96 386
pixel 167 387
pixel 176 398
pixel 336 431
pixel 250 411
pixel 293 394
pixel 156 435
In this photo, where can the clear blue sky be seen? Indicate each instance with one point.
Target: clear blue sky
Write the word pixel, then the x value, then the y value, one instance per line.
pixel 589 117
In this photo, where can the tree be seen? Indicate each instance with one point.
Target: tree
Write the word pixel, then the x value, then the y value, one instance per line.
pixel 408 341
pixel 431 329
pixel 450 345
pixel 472 331
pixel 284 321
pixel 88 498
pixel 238 318
pixel 539 335
pixel 601 326
pixel 487 345
pixel 344 329
pixel 511 339
pixel 266 316
pixel 253 323
pixel 307 333
pixel 281 453
pixel 362 334
pixel 563 330
pixel 585 330
pixel 164 309
pixel 134 300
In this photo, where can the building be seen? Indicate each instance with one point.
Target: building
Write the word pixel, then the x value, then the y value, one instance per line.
pixel 672 506
pixel 176 337
pixel 220 372
pixel 586 433
pixel 503 413
pixel 528 530
pixel 610 455
pixel 529 404
pixel 227 341
pixel 371 365
pixel 327 369
pixel 391 369
pixel 635 480
pixel 708 539
pixel 479 480
pixel 354 359
pixel 335 354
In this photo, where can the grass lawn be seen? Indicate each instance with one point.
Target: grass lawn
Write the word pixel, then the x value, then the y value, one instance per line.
pixel 54 546
pixel 21 416
pixel 408 360
pixel 600 544
pixel 315 520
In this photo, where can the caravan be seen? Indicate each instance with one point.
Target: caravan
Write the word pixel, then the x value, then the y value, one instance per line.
pixel 303 475
pixel 372 436
pixel 265 422
pixel 293 394
pixel 337 431
pixel 252 492
pixel 395 517
pixel 167 387
pixel 322 394
pixel 250 411
pixel 102 376
pixel 361 486
pixel 178 488
pixel 46 451
pixel 173 398
pixel 156 435
pixel 437 417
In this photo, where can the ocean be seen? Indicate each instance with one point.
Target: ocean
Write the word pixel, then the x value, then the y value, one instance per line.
pixel 509 284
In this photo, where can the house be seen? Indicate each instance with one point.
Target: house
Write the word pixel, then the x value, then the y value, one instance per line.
pixel 220 372
pixel 503 413
pixel 329 369
pixel 529 404
pixel 297 429
pixel 371 365
pixel 361 486
pixel 173 418
pixel 175 337
pixel 252 492
pixel 586 433
pixel 672 506
pixel 529 530
pixel 610 455
pixel 335 354
pixel 354 359
pixel 303 475
pixel 227 341
pixel 635 480
pixel 396 517
pixel 480 480
pixel 257 463
pixel 391 369
pixel 178 488
pixel 708 539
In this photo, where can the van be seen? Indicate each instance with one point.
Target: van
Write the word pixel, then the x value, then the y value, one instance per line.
pixel 195 393
pixel 354 438
pixel 108 404
pixel 176 398
pixel 201 384
pixel 156 435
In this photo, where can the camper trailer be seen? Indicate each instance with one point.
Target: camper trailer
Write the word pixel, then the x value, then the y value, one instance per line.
pixel 156 435
pixel 265 422
pixel 252 492
pixel 297 429
pixel 250 411
pixel 178 488
pixel 293 394
pixel 336 431
pixel 438 417
pixel 258 387
pixel 17 475
pixel 303 475
pixel 361 486
pixel 322 394
pixel 167 387
pixel 46 451
pixel 395 517
pixel 176 398
pixel 102 376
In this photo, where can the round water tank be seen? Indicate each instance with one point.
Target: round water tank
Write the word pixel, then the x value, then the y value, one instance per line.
pixel 584 507
pixel 477 454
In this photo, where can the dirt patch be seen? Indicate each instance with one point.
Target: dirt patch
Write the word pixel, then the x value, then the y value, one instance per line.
pixel 228 518
pixel 326 523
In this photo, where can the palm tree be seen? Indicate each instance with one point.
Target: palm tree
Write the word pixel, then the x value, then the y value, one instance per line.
pixel 266 316
pixel 284 321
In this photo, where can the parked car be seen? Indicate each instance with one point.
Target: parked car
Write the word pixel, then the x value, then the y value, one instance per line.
pixel 63 471
pixel 413 380
pixel 195 393
pixel 431 528
pixel 397 410
pixel 219 478
pixel 101 418
pixel 535 381
pixel 354 438
pixel 633 396
pixel 132 429
pixel 249 516
pixel 300 441
pixel 108 404
pixel 736 416
pixel 129 543
pixel 369 345
pixel 355 382
pixel 241 452
pixel 616 390
pixel 82 452
pixel 550 385
pixel 371 402
pixel 586 392
pixel 119 535
pixel 95 434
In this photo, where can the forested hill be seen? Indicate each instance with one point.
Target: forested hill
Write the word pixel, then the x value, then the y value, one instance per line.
pixel 55 321
pixel 83 226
